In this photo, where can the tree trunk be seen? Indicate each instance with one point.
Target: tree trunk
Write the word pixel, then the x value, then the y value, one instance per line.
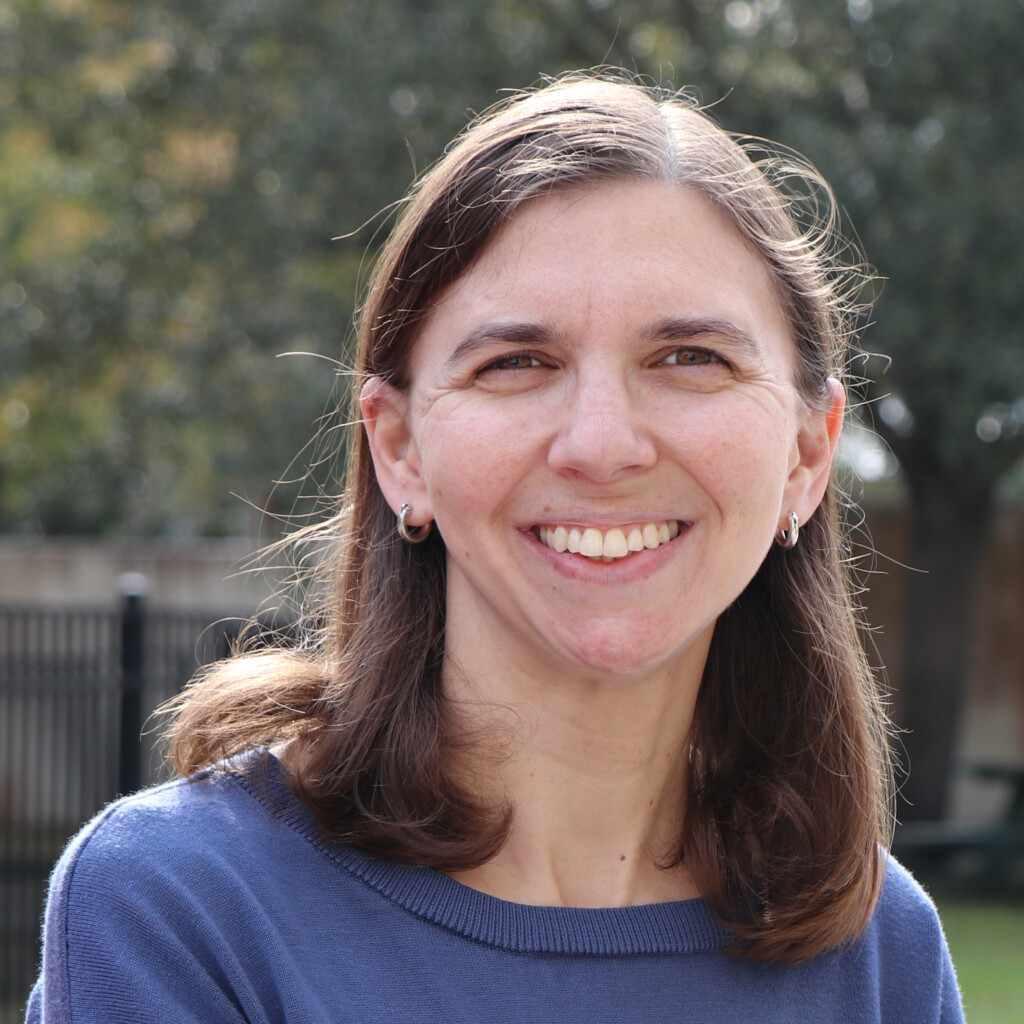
pixel 949 534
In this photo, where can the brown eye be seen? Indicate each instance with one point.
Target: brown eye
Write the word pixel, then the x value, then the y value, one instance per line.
pixel 519 361
pixel 690 357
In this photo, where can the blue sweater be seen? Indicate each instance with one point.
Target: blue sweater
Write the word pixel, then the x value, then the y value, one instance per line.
pixel 213 901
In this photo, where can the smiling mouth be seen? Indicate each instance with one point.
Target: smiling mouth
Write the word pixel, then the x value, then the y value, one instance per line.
pixel 608 545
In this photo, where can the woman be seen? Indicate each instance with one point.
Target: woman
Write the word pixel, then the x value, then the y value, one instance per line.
pixel 587 733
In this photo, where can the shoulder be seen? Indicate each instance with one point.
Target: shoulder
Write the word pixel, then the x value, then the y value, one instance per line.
pixel 157 887
pixel 905 910
pixel 907 950
pixel 196 837
pixel 159 826
pixel 153 855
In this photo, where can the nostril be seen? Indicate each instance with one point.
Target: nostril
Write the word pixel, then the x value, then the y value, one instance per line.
pixel 601 444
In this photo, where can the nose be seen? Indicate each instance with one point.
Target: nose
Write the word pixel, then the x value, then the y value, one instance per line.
pixel 602 432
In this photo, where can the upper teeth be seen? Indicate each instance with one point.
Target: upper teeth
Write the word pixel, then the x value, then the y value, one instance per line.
pixel 615 543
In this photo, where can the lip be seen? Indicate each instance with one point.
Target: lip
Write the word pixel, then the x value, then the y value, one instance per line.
pixel 636 566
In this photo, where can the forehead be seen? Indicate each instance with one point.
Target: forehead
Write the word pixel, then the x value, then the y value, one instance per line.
pixel 608 256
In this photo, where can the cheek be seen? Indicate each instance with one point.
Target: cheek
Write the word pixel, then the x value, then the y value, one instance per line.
pixel 741 454
pixel 471 459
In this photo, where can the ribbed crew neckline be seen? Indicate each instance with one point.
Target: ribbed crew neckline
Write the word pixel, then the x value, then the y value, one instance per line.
pixel 685 926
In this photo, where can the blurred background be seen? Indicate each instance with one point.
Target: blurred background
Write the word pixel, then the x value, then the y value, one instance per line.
pixel 190 197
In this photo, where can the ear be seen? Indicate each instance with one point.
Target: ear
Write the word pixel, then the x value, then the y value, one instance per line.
pixel 815 448
pixel 396 459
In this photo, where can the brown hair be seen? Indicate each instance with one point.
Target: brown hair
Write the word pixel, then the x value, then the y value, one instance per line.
pixel 789 774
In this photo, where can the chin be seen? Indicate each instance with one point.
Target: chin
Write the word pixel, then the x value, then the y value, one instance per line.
pixel 626 662
pixel 605 655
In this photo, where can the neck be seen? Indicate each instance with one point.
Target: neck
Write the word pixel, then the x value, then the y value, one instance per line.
pixel 597 772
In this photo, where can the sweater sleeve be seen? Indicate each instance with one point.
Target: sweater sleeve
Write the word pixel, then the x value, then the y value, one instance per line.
pixel 124 942
pixel 916 973
pixel 951 1010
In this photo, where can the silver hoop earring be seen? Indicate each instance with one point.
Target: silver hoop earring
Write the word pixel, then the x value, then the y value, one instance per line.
pixel 410 534
pixel 787 538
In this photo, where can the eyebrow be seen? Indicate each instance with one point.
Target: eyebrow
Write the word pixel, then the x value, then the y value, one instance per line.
pixel 687 328
pixel 670 329
pixel 513 332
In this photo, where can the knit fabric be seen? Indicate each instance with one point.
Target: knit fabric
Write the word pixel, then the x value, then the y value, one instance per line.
pixel 213 901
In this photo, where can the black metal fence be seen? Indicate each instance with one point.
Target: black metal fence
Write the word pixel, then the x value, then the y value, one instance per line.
pixel 76 687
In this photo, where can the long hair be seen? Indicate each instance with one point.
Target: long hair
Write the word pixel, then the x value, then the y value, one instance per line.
pixel 789 792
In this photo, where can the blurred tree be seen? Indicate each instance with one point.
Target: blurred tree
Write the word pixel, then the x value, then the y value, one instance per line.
pixel 171 175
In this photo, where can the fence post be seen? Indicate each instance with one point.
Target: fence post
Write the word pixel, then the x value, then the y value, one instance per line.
pixel 133 616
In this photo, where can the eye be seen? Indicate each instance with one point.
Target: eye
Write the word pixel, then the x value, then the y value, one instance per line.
pixel 691 357
pixel 515 361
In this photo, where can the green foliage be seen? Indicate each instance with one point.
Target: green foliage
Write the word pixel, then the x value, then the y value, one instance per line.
pixel 171 176
pixel 921 138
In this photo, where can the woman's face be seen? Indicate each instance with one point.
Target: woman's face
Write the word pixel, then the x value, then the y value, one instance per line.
pixel 613 373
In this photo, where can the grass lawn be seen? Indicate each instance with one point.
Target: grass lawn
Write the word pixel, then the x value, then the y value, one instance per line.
pixel 987 943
